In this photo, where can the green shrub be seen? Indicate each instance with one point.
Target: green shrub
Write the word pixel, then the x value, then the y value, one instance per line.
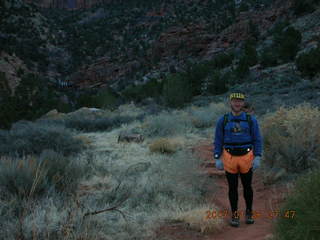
pixel 105 98
pixel 217 83
pixel 86 99
pixel 222 60
pixel 253 30
pixel 177 90
pixel 269 57
pixel 284 47
pixel 278 27
pixel 31 138
pixel 63 107
pixel 301 7
pixel 4 86
pixel 288 43
pixel 242 70
pixel 195 75
pixel 231 78
pixel 250 52
pixel 243 7
pixel 33 98
pixel 137 93
pixel 8 113
pixel 300 213
pixel 309 63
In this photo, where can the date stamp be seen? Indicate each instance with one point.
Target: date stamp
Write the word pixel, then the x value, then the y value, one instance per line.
pixel 288 214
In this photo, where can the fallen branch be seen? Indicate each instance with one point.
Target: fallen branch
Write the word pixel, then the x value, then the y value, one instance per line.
pixel 114 208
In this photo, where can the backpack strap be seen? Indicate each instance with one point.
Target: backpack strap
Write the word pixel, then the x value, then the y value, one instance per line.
pixel 249 121
pixel 225 120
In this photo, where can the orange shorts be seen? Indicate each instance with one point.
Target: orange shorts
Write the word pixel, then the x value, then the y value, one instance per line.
pixel 235 164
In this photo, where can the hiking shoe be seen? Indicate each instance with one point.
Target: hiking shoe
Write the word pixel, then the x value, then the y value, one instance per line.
pixel 235 220
pixel 249 219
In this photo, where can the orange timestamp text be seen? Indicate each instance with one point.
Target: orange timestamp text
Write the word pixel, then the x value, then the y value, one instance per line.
pixel 289 214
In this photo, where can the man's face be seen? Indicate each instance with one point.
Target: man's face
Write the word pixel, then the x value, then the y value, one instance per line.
pixel 236 104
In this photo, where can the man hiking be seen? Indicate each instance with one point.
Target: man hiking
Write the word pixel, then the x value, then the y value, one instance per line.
pixel 238 149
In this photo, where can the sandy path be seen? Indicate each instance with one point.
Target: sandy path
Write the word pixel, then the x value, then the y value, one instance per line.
pixel 266 201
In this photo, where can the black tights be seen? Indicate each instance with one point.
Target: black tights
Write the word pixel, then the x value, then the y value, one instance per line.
pixel 246 179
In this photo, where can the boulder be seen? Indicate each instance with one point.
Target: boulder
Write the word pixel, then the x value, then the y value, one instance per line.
pixel 129 137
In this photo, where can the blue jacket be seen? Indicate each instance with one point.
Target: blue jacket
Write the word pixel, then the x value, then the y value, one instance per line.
pixel 237 132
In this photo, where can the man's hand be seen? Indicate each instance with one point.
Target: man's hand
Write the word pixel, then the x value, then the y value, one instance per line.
pixel 219 164
pixel 256 162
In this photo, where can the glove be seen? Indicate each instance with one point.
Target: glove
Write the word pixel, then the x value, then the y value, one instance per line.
pixel 256 162
pixel 219 164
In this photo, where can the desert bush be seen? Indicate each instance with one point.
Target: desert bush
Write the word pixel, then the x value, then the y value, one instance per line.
pixel 299 213
pixel 163 145
pixel 31 176
pixel 207 116
pixel 32 138
pixel 309 63
pixel 97 124
pixel 51 217
pixel 129 109
pixel 166 124
pixel 291 137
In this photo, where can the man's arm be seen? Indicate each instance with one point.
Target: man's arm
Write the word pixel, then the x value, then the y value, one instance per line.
pixel 256 138
pixel 218 139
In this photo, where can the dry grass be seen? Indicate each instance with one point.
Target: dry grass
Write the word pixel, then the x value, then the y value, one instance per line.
pixel 198 220
pixel 158 183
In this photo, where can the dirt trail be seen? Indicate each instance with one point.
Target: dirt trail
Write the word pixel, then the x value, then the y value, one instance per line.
pixel 266 201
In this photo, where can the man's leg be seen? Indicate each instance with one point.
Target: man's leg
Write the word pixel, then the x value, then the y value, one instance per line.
pixel 246 179
pixel 233 190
